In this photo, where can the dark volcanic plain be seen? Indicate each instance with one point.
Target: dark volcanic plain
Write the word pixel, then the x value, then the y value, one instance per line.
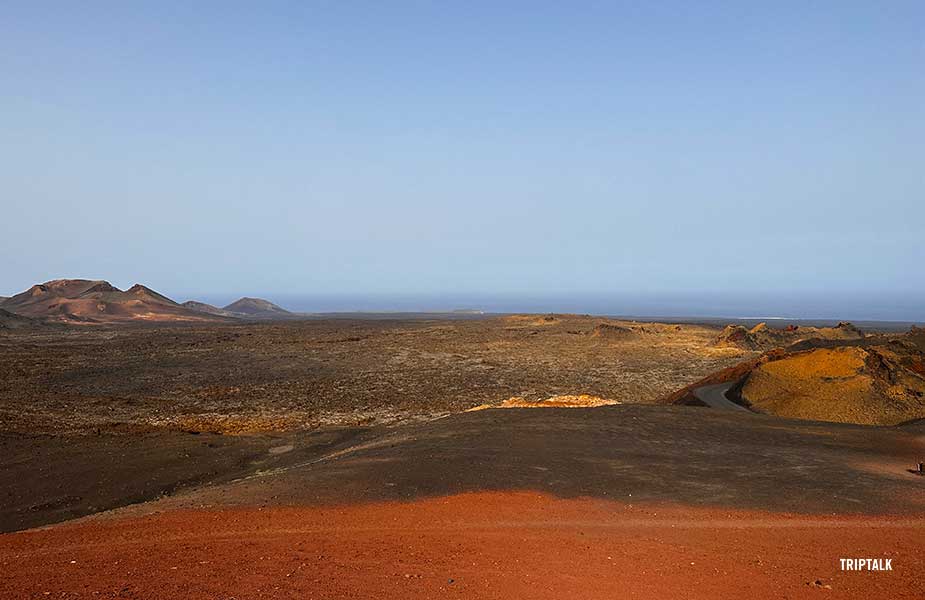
pixel 98 417
pixel 336 458
pixel 276 376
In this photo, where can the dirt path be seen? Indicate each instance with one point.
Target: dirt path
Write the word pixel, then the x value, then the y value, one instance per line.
pixel 482 545
pixel 714 396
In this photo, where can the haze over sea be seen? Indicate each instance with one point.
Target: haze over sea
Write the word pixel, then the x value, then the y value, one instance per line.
pixel 857 307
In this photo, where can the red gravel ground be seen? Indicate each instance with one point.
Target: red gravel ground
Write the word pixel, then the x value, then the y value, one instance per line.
pixel 475 545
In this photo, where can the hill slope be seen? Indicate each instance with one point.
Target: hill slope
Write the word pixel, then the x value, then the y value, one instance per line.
pixel 875 385
pixel 207 308
pixel 10 320
pixel 256 307
pixel 877 381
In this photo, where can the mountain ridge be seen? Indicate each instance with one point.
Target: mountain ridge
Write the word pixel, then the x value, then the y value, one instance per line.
pixel 96 301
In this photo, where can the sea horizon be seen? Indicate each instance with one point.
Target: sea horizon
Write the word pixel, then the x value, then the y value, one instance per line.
pixel 807 307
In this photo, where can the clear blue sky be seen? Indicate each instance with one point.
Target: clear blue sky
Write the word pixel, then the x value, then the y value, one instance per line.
pixel 646 148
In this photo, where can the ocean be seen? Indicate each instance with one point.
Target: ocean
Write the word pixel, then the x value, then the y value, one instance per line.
pixel 747 307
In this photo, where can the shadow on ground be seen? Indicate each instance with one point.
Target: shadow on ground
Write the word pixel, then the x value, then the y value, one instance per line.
pixel 47 479
pixel 689 455
pixel 631 453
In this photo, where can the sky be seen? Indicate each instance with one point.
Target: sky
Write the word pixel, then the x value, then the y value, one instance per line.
pixel 695 156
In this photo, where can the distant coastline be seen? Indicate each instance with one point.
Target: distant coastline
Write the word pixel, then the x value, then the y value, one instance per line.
pixel 692 308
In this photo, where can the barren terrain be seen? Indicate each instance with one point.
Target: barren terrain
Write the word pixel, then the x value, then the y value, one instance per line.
pixel 882 384
pixel 306 374
pixel 485 545
pixel 342 458
pixel 616 501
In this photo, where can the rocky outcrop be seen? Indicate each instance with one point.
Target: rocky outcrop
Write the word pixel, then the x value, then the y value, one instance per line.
pixel 872 386
pixel 612 331
pixel 762 337
pixel 878 382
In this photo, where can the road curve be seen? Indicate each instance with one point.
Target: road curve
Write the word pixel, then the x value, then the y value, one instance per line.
pixel 714 396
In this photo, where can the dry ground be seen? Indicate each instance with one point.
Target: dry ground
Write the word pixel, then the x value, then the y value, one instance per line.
pixel 629 500
pixel 298 375
pixel 611 502
pixel 484 545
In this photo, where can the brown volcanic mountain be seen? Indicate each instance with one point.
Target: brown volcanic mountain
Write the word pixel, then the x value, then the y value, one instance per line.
pixel 84 301
pixel 256 307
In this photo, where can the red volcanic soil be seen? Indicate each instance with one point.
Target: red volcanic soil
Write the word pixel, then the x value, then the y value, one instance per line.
pixel 481 545
pixel 610 502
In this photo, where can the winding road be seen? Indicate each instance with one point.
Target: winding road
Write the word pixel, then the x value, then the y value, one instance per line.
pixel 714 396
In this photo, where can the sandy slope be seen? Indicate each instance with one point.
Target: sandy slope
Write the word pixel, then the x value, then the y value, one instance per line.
pixel 877 385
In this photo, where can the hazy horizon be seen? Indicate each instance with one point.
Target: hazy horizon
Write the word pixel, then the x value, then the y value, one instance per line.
pixel 744 307
pixel 749 159
pixel 860 306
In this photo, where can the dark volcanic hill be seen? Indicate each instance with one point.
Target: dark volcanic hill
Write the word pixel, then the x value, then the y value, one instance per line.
pixel 208 309
pixel 256 307
pixel 85 301
pixel 10 320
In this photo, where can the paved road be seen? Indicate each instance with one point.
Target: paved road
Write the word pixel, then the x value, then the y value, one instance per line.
pixel 714 396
